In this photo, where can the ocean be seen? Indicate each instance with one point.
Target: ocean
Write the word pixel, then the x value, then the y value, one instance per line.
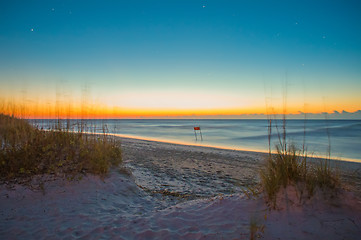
pixel 341 137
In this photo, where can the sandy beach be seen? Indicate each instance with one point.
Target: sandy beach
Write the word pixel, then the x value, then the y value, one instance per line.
pixel 170 191
pixel 206 171
pixel 180 120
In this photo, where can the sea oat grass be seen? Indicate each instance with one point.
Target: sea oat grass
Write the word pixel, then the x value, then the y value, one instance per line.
pixel 27 151
pixel 289 166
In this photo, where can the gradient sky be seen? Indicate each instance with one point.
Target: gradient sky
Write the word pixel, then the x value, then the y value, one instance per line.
pixel 180 58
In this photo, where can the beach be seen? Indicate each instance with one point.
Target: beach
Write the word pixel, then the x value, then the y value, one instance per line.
pixel 181 120
pixel 173 191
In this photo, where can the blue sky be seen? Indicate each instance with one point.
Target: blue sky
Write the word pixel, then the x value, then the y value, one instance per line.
pixel 143 54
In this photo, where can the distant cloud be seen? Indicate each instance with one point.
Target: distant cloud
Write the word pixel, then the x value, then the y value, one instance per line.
pixel 335 115
pixel 300 115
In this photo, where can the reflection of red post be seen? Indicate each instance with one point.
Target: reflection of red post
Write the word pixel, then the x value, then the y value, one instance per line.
pixel 195 133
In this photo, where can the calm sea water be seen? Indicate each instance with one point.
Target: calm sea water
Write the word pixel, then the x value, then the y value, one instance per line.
pixel 342 136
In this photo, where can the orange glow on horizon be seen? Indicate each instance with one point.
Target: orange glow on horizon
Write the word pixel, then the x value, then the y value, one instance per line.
pixel 68 111
pixel 78 108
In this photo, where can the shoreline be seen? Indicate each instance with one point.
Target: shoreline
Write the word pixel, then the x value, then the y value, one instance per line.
pixel 251 136
pixel 150 139
pixel 353 163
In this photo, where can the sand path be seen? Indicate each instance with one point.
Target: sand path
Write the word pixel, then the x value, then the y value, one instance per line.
pixel 190 170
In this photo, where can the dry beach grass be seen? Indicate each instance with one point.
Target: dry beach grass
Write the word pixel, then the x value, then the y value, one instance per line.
pixel 26 151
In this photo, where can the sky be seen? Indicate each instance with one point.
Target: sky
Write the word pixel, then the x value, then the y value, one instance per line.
pixel 179 58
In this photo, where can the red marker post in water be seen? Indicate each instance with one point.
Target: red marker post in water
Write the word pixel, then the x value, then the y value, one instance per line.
pixel 195 132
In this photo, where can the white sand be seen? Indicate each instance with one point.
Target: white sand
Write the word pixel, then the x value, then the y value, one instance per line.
pixel 173 193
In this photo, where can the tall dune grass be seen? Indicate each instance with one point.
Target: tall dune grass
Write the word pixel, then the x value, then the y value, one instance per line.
pixel 26 151
pixel 292 166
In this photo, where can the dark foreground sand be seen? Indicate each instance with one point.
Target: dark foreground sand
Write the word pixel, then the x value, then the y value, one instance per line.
pixel 175 192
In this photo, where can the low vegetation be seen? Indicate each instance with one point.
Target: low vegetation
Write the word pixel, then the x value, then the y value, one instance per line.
pixel 26 151
pixel 290 166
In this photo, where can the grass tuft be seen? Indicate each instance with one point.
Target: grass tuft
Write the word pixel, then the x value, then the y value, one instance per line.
pixel 292 166
pixel 26 151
